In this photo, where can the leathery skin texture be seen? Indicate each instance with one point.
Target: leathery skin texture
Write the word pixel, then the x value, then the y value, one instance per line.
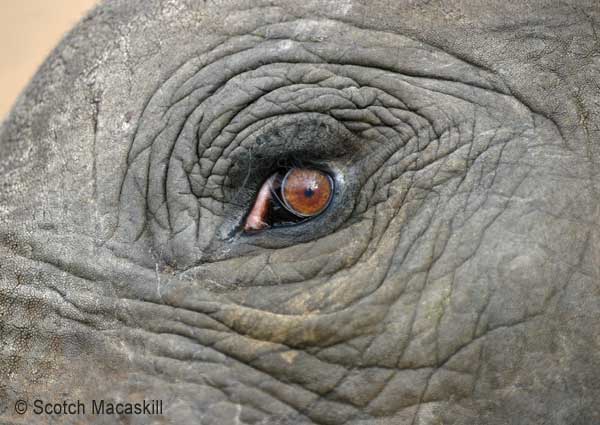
pixel 453 279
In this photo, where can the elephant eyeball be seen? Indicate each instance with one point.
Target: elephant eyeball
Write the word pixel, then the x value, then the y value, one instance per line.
pixel 300 194
pixel 306 192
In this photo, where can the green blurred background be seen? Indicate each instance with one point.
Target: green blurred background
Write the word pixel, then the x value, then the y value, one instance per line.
pixel 29 29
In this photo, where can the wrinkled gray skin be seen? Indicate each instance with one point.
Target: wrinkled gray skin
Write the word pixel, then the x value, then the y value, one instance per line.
pixel 455 278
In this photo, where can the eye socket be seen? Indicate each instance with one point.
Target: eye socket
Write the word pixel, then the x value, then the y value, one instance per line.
pixel 290 198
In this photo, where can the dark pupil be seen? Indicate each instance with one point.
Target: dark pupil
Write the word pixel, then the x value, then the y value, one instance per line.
pixel 308 192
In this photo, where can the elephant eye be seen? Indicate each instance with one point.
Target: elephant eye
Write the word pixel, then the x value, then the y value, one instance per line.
pixel 290 197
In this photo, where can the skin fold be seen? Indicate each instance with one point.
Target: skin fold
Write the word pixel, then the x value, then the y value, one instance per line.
pixel 453 279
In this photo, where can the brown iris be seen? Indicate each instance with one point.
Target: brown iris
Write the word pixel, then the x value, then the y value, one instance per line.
pixel 306 192
pixel 290 198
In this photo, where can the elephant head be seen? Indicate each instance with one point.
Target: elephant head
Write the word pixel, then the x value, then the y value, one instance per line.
pixel 157 241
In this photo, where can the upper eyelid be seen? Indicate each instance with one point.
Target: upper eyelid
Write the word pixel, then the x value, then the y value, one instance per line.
pixel 334 142
pixel 422 84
